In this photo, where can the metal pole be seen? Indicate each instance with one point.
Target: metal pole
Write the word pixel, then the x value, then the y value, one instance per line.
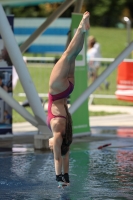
pixel 128 32
pixel 77 8
pixel 18 62
pixel 128 26
pixel 16 106
pixel 43 27
pixel 100 79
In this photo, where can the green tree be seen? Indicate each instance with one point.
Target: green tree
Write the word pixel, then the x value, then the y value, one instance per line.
pixel 105 12
pixel 41 10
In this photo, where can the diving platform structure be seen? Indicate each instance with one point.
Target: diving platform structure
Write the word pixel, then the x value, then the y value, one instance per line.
pixel 15 53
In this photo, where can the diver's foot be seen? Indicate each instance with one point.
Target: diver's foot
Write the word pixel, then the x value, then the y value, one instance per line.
pixel 65 178
pixel 61 181
pixel 85 25
pixel 86 16
pixel 62 184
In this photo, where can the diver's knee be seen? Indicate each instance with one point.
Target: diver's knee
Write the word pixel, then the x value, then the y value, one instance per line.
pixel 68 56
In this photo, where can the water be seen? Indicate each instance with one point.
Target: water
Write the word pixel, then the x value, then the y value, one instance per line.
pixel 95 174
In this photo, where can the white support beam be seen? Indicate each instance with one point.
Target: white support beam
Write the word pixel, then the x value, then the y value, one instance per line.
pixel 101 78
pixel 18 62
pixel 77 8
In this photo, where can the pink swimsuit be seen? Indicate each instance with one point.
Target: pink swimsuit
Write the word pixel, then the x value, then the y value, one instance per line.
pixel 55 97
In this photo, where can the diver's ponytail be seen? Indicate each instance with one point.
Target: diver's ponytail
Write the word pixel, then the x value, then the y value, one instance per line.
pixel 68 131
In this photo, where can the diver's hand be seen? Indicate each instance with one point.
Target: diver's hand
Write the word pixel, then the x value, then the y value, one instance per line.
pixel 65 178
pixel 62 182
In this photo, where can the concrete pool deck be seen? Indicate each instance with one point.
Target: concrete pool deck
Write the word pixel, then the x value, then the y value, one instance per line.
pixel 124 119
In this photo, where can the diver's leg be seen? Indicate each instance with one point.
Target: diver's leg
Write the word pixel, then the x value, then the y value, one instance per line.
pixel 65 66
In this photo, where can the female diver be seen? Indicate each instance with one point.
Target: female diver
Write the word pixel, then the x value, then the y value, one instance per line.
pixel 61 85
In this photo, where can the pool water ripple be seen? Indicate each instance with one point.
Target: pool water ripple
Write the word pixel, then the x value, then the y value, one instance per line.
pixel 95 174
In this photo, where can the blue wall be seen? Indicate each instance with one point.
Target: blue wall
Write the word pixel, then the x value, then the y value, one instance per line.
pixel 52 40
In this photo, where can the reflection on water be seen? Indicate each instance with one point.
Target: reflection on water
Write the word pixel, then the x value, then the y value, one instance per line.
pixel 125 132
pixel 95 174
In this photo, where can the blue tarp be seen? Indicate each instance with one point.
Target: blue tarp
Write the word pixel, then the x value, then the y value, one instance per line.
pixel 12 3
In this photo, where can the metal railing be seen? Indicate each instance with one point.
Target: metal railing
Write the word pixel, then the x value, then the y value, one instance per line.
pixel 101 78
pixel 104 62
